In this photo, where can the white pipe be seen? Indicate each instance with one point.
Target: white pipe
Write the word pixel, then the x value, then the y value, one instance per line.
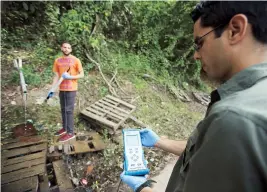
pixel 22 80
pixel 18 66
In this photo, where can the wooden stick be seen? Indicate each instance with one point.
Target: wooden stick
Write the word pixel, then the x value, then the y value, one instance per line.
pixel 116 71
pixel 138 122
pixel 111 89
pixel 120 86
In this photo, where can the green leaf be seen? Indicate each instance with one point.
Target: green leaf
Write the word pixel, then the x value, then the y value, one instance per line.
pixel 25 15
pixel 32 8
pixel 25 6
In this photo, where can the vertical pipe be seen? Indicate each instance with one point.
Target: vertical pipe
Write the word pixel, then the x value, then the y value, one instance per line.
pixel 22 80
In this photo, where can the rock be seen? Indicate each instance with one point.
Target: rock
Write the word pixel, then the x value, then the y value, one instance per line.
pixel 146 76
pixel 60 147
pixel 18 89
pixel 88 190
pixel 66 148
pixel 30 121
pixel 13 103
pixel 11 94
pixel 51 149
pixel 40 127
pixel 75 181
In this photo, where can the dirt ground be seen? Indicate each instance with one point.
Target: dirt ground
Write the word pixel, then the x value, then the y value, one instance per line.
pixel 162 112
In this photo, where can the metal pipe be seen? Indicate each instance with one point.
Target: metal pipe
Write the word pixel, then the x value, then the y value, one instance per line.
pixel 18 66
pixel 22 80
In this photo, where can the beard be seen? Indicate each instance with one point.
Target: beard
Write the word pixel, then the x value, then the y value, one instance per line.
pixel 66 54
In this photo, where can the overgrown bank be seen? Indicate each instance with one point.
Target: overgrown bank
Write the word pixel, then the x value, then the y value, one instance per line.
pixel 131 37
pixel 145 45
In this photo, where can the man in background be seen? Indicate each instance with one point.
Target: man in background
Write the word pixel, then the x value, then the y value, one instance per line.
pixel 70 68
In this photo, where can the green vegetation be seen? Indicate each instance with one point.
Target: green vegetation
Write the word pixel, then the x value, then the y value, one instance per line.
pixel 131 36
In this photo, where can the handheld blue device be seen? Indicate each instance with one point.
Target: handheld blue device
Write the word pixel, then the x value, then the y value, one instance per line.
pixel 134 160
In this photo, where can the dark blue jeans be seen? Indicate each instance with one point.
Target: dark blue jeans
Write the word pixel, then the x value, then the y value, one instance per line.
pixel 67 100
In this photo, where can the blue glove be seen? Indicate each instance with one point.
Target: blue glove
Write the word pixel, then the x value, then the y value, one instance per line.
pixel 50 94
pixel 133 181
pixel 65 75
pixel 148 137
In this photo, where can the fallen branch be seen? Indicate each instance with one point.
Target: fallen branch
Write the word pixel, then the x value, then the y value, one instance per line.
pixel 147 76
pixel 138 122
pixel 95 24
pixel 180 94
pixel 120 86
pixel 134 99
pixel 113 76
pixel 111 89
pixel 201 98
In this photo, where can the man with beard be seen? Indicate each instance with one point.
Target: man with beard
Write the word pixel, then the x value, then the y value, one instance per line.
pixel 227 152
pixel 70 68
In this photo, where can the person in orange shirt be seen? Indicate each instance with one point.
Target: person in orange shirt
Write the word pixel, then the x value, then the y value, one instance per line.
pixel 70 68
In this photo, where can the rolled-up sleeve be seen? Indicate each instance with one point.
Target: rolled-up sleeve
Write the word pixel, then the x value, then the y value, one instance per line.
pixel 232 157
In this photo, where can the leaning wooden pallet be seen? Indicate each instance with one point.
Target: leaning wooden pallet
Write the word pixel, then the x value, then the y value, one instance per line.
pixel 23 163
pixel 110 111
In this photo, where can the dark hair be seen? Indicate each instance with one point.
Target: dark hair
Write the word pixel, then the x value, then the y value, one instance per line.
pixel 64 43
pixel 215 13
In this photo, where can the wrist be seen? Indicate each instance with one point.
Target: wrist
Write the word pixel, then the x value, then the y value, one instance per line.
pixel 146 189
pixel 143 187
pixel 158 143
pixel 72 76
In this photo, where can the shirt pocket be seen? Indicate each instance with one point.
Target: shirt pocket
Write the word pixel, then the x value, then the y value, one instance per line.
pixel 188 152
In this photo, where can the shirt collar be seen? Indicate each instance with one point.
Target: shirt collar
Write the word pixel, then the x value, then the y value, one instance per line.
pixel 243 80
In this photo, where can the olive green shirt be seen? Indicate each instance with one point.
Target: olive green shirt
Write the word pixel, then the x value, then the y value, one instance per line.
pixel 227 152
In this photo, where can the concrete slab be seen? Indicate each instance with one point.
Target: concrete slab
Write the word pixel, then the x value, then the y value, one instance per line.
pixel 163 178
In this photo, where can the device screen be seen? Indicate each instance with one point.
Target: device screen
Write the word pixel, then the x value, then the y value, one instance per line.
pixel 132 140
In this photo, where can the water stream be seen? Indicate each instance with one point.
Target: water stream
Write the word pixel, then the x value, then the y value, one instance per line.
pixel 25 109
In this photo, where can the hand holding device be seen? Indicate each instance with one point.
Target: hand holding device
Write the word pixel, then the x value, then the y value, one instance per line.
pixel 53 89
pixel 148 137
pixel 135 165
pixel 50 94
pixel 66 75
pixel 133 181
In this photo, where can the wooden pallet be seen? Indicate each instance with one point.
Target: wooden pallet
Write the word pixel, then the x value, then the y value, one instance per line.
pixel 23 162
pixel 88 142
pixel 110 111
pixel 85 142
pixel 63 181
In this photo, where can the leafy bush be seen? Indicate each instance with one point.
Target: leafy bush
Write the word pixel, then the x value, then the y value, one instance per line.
pixel 130 36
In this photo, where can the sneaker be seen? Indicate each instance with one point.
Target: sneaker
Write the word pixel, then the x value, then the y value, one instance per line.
pixel 60 132
pixel 66 137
